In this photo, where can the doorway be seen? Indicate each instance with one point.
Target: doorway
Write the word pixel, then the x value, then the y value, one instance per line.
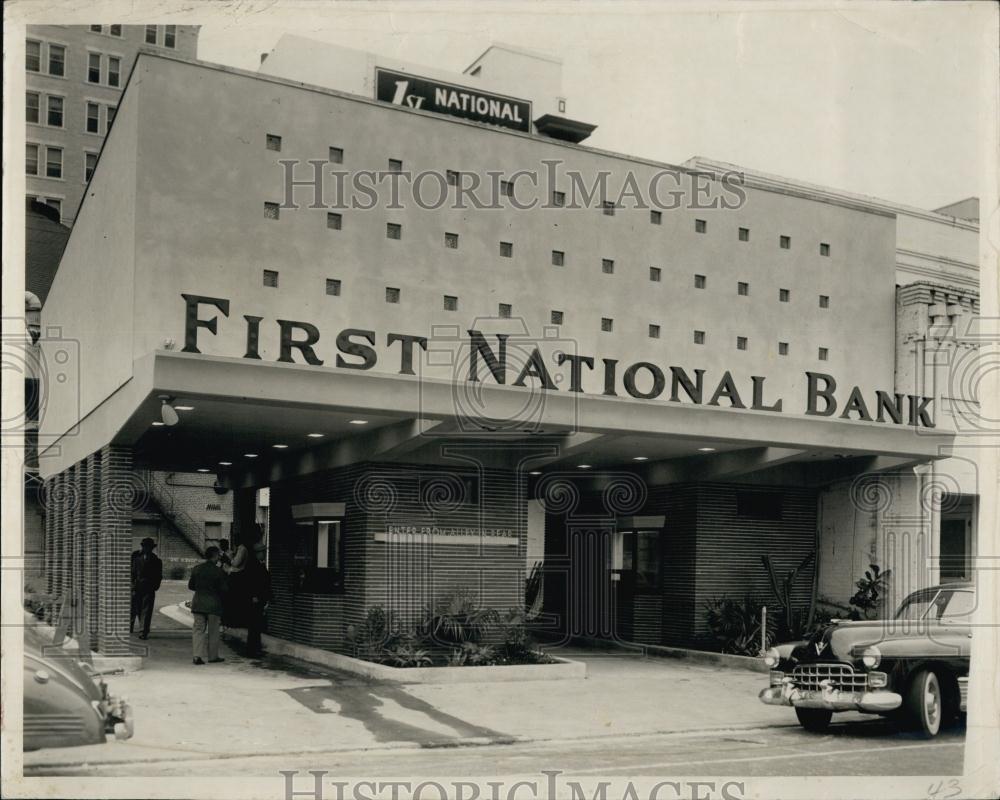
pixel 957 545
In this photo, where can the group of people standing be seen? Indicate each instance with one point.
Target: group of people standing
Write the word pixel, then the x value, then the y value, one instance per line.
pixel 231 589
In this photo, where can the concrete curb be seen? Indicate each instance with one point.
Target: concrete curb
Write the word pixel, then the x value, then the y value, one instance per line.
pixel 681 653
pixel 563 669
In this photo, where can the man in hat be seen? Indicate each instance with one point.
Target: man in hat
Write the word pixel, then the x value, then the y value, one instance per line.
pixel 147 574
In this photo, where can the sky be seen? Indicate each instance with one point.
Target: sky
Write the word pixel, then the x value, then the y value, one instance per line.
pixel 881 100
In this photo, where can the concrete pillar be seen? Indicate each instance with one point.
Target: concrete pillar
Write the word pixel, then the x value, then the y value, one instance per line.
pixel 114 566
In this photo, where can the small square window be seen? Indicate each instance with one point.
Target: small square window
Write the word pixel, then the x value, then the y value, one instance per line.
pixel 336 155
pixel 450 303
pixel 334 221
pixel 271 210
pixel 556 317
pixel 273 142
pixel 699 337
pixel 391 294
pixel 824 354
pixel 656 217
pixel 504 310
pixel 743 288
pixel 89 165
pixel 784 295
pixel 395 165
pixel 115 30
pixel 558 258
pixel 558 199
pixel 744 234
pixel 393 230
pixel 607 324
pixel 607 266
pixel 782 348
pixel 333 287
pixel 451 241
pixel 452 177
pixel 150 34
pixel 700 281
pixel 785 242
pixel 741 342
pixel 97 28
pixel 271 278
pixel 655 274
pixel 170 36
pixel 824 249
pixel 608 208
pixel 506 249
pixel 824 301
pixel 700 226
pixel 654 331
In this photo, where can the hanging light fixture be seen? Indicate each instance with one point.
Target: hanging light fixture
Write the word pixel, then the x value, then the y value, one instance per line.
pixel 167 412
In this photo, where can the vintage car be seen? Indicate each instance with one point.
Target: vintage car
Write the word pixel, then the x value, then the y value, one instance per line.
pixel 914 667
pixel 66 702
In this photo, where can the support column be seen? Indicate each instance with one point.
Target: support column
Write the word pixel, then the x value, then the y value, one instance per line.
pixel 117 492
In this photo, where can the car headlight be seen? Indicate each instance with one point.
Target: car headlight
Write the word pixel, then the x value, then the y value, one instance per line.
pixel 871 657
pixel 772 657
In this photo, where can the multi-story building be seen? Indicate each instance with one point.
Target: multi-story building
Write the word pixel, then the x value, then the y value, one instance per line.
pixel 75 77
pixel 646 375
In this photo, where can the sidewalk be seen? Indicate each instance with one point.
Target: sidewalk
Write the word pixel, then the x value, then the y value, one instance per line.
pixel 277 705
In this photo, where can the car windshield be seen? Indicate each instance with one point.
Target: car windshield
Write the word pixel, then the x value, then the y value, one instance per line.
pixel 937 604
pixel 915 606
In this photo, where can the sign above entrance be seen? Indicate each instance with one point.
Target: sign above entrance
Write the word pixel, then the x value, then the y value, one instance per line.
pixel 431 534
pixel 426 94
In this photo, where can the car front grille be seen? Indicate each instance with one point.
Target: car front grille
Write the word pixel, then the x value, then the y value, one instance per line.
pixel 840 676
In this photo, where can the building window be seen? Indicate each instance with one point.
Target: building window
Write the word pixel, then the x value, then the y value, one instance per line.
pixel 505 310
pixel 607 324
pixel 784 295
pixel 333 287
pixel 656 217
pixel 640 559
pixel 558 198
pixel 94 68
pixel 110 115
pixel 654 331
pixel 53 162
pixel 271 278
pixel 782 348
pixel 54 111
pixel 89 163
pixel 824 249
pixel 33 56
pixel 334 221
pixel 451 241
pixel 336 155
pixel 170 36
pixel 97 28
pixel 700 281
pixel 115 30
pixel 450 303
pixel 741 342
pixel 391 294
pixel 57 60
pixel 607 266
pixel 700 226
pixel 393 230
pixel 824 301
pixel 699 337
pixel 743 288
pixel 395 165
pixel 320 551
pixel 785 242
pixel 744 234
pixel 556 317
pixel 114 70
pixel 451 176
pixel 272 142
pixel 271 210
pixel 506 249
pixel 52 202
pixel 824 354
pixel 93 118
pixel 558 258
pixel 31 106
pixel 150 34
pixel 655 274
pixel 31 159
pixel 608 208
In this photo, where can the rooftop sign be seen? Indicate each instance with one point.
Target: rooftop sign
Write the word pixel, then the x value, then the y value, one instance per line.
pixel 402 89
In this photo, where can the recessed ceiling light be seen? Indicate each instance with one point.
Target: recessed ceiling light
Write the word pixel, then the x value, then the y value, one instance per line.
pixel 249 455
pixel 583 466
pixel 202 469
pixel 315 435
pixel 225 463
pixel 183 408
pixel 706 449
pixel 358 422
pixel 640 458
pixel 535 472
pixel 279 446
pixel 158 424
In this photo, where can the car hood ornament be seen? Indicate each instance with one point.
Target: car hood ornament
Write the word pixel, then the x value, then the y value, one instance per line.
pixel 820 647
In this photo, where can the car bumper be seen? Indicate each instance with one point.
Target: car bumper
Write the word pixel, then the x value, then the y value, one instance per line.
pixel 120 721
pixel 831 699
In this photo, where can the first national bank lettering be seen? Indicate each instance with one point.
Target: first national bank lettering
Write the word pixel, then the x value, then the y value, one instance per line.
pixel 356 349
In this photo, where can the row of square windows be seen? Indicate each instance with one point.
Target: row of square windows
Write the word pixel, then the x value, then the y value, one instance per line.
pixel 53 56
pixel 505 310
pixel 53 162
pixel 54 116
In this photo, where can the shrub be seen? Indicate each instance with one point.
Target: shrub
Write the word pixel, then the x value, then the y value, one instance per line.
pixel 471 654
pixel 736 625
pixel 868 599
pixel 457 618
pixel 408 653
pixel 377 634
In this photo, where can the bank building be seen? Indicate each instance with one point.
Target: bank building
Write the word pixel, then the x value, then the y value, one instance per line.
pixel 426 337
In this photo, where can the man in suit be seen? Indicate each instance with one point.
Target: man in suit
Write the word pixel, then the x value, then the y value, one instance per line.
pixel 258 590
pixel 147 574
pixel 208 583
